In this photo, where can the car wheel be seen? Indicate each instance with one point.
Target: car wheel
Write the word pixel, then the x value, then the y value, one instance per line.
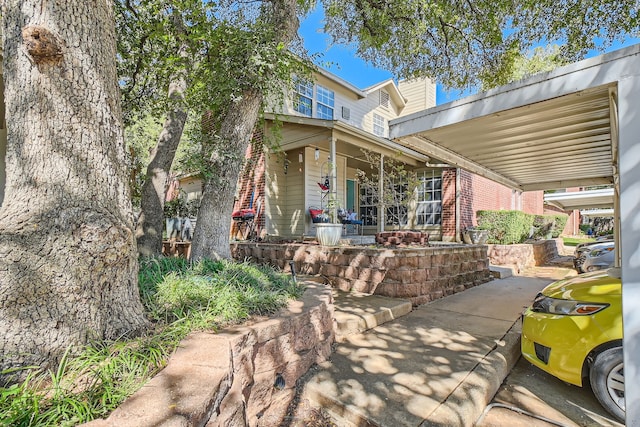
pixel 607 381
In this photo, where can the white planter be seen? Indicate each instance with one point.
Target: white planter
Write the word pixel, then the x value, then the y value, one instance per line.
pixel 328 234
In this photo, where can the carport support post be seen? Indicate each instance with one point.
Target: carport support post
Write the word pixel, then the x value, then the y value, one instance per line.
pixel 334 178
pixel 381 195
pixel 629 161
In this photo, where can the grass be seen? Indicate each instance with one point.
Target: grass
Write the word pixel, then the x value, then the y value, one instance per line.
pixel 179 298
pixel 575 241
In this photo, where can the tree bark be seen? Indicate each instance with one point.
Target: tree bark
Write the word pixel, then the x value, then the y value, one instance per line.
pixel 211 236
pixel 150 222
pixel 68 261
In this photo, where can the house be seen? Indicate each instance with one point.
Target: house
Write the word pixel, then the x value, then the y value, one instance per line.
pixel 330 118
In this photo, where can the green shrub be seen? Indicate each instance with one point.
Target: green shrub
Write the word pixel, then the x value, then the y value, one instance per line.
pixel 584 228
pixel 560 223
pixel 505 227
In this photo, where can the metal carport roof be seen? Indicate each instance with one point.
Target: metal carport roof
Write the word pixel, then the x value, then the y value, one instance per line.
pixel 553 130
pixel 588 199
pixel 576 126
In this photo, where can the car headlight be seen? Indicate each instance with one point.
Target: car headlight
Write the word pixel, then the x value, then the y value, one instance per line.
pixel 545 304
pixel 597 252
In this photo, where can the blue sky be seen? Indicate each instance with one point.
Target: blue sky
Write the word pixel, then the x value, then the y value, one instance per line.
pixel 343 62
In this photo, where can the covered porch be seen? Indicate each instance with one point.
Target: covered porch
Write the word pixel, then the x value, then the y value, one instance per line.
pixel 317 169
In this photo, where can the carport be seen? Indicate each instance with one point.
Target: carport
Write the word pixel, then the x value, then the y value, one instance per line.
pixel 576 126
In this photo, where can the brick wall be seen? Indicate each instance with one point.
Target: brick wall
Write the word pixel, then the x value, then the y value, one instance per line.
pixel 478 193
pixel 418 274
pixel 449 203
pixel 251 185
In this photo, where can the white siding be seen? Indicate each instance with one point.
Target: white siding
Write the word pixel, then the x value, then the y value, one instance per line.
pixel 315 172
pixel 294 195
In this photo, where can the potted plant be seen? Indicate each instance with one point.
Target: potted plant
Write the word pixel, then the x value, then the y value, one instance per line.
pixel 329 233
pixel 475 236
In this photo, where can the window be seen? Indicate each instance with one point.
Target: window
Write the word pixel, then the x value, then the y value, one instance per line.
pixel 368 206
pixel 379 126
pixel 429 209
pixel 397 209
pixel 304 97
pixel 384 99
pixel 325 101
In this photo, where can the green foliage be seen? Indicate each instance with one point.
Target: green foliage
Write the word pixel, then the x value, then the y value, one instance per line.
pixel 508 227
pixel 461 44
pixel 585 228
pixel 91 382
pixel 573 241
pixel 505 227
pixel 549 225
pixel 560 221
pixel 539 60
pixel 140 137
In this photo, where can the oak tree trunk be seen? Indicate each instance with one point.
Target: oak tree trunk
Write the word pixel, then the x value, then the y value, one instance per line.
pixel 68 260
pixel 151 220
pixel 211 236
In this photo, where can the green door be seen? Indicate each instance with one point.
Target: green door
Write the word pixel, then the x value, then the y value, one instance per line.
pixel 351 196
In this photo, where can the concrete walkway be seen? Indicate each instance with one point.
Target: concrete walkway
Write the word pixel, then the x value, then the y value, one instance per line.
pixel 438 365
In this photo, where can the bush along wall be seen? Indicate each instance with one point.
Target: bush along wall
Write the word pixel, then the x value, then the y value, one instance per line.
pixel 509 227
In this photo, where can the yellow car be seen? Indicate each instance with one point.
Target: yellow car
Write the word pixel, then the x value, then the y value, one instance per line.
pixel 573 331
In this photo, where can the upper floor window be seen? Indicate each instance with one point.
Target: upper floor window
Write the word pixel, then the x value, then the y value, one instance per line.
pixel 325 102
pixel 303 102
pixel 379 125
pixel 384 99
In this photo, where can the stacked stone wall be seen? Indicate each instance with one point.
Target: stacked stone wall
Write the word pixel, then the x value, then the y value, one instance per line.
pixel 241 376
pixel 418 274
pixel 524 255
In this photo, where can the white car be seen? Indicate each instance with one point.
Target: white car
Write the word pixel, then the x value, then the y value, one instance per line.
pixel 599 258
pixel 582 252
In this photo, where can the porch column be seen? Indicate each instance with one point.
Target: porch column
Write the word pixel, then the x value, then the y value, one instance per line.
pixel 458 207
pixel 334 178
pixel 381 206
pixel 629 161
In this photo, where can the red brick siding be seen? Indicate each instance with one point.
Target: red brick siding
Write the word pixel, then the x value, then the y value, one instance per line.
pixel 448 202
pixel 251 185
pixel 478 193
pixel 533 202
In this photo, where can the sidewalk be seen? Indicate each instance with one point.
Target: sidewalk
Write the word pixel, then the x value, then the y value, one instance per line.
pixel 439 365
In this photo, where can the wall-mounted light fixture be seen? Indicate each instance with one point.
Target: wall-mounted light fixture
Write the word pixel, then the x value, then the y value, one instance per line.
pixel 300 157
pixel 316 155
pixel 286 166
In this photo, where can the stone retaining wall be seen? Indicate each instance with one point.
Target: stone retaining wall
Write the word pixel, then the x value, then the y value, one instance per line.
pixel 525 255
pixel 421 274
pixel 242 376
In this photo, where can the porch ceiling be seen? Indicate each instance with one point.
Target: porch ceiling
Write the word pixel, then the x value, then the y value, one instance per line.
pixel 551 131
pixel 558 143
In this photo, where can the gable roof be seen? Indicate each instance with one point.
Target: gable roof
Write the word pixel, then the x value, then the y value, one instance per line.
pixel 390 86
